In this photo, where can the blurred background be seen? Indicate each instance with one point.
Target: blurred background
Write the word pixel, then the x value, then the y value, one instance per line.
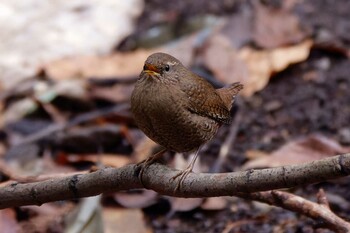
pixel 67 70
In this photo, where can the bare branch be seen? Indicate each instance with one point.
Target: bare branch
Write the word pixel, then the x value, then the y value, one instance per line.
pixel 70 187
pixel 300 205
pixel 159 178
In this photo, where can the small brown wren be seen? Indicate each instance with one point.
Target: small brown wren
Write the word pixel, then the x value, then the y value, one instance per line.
pixel 178 109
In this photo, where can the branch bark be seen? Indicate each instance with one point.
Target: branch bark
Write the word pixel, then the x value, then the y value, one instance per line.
pixel 159 178
pixel 289 201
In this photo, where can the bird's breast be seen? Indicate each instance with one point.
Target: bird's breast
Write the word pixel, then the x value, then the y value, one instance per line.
pixel 162 113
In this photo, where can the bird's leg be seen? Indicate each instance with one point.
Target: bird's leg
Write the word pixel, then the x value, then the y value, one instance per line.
pixel 147 162
pixel 184 173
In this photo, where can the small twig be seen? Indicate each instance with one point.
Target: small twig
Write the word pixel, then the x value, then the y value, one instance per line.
pixel 229 141
pixel 7 171
pixel 75 121
pixel 54 113
pixel 300 205
pixel 322 198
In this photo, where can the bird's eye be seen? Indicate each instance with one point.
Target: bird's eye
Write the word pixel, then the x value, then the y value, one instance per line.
pixel 167 68
pixel 144 67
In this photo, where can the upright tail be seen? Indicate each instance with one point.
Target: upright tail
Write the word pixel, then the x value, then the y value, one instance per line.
pixel 229 93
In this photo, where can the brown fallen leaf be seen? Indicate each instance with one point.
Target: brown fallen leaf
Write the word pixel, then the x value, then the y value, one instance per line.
pixel 122 65
pixel 238 28
pixel 18 110
pixel 110 160
pixel 250 66
pixel 8 221
pixel 136 199
pixel 214 203
pixel 221 58
pixel 261 64
pixel 276 27
pixel 116 93
pixel 255 154
pixel 302 150
pixel 31 165
pixel 185 204
pixel 44 218
pixel 124 221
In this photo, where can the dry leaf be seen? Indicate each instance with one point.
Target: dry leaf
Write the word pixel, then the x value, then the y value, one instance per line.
pixel 261 64
pixel 255 154
pixel 221 58
pixel 109 160
pixel 185 204
pixel 121 65
pixel 118 220
pixel 18 110
pixel 302 150
pixel 8 221
pixel 116 93
pixel 44 218
pixel 250 66
pixel 275 27
pixel 214 203
pixel 75 88
pixel 238 28
pixel 139 199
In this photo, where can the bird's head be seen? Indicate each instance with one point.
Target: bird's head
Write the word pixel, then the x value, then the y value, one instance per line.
pixel 162 67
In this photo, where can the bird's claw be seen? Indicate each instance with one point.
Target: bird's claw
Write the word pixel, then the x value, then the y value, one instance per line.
pixel 144 164
pixel 182 174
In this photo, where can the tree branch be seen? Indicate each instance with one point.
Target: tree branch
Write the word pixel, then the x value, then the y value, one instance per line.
pixel 159 178
pixel 289 201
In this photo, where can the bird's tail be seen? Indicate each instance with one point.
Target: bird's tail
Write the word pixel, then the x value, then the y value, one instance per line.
pixel 229 93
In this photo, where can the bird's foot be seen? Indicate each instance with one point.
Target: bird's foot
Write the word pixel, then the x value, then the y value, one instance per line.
pixel 182 174
pixel 144 164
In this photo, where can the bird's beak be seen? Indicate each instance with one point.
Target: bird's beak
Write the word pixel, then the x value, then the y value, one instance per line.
pixel 151 69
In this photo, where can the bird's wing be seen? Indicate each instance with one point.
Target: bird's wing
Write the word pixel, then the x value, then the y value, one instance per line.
pixel 228 93
pixel 204 100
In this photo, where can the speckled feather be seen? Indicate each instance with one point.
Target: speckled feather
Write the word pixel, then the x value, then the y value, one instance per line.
pixel 175 107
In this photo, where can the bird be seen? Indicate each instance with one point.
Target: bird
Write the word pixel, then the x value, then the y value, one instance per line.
pixel 178 109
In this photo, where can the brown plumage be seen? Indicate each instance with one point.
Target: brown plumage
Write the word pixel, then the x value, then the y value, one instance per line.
pixel 175 107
